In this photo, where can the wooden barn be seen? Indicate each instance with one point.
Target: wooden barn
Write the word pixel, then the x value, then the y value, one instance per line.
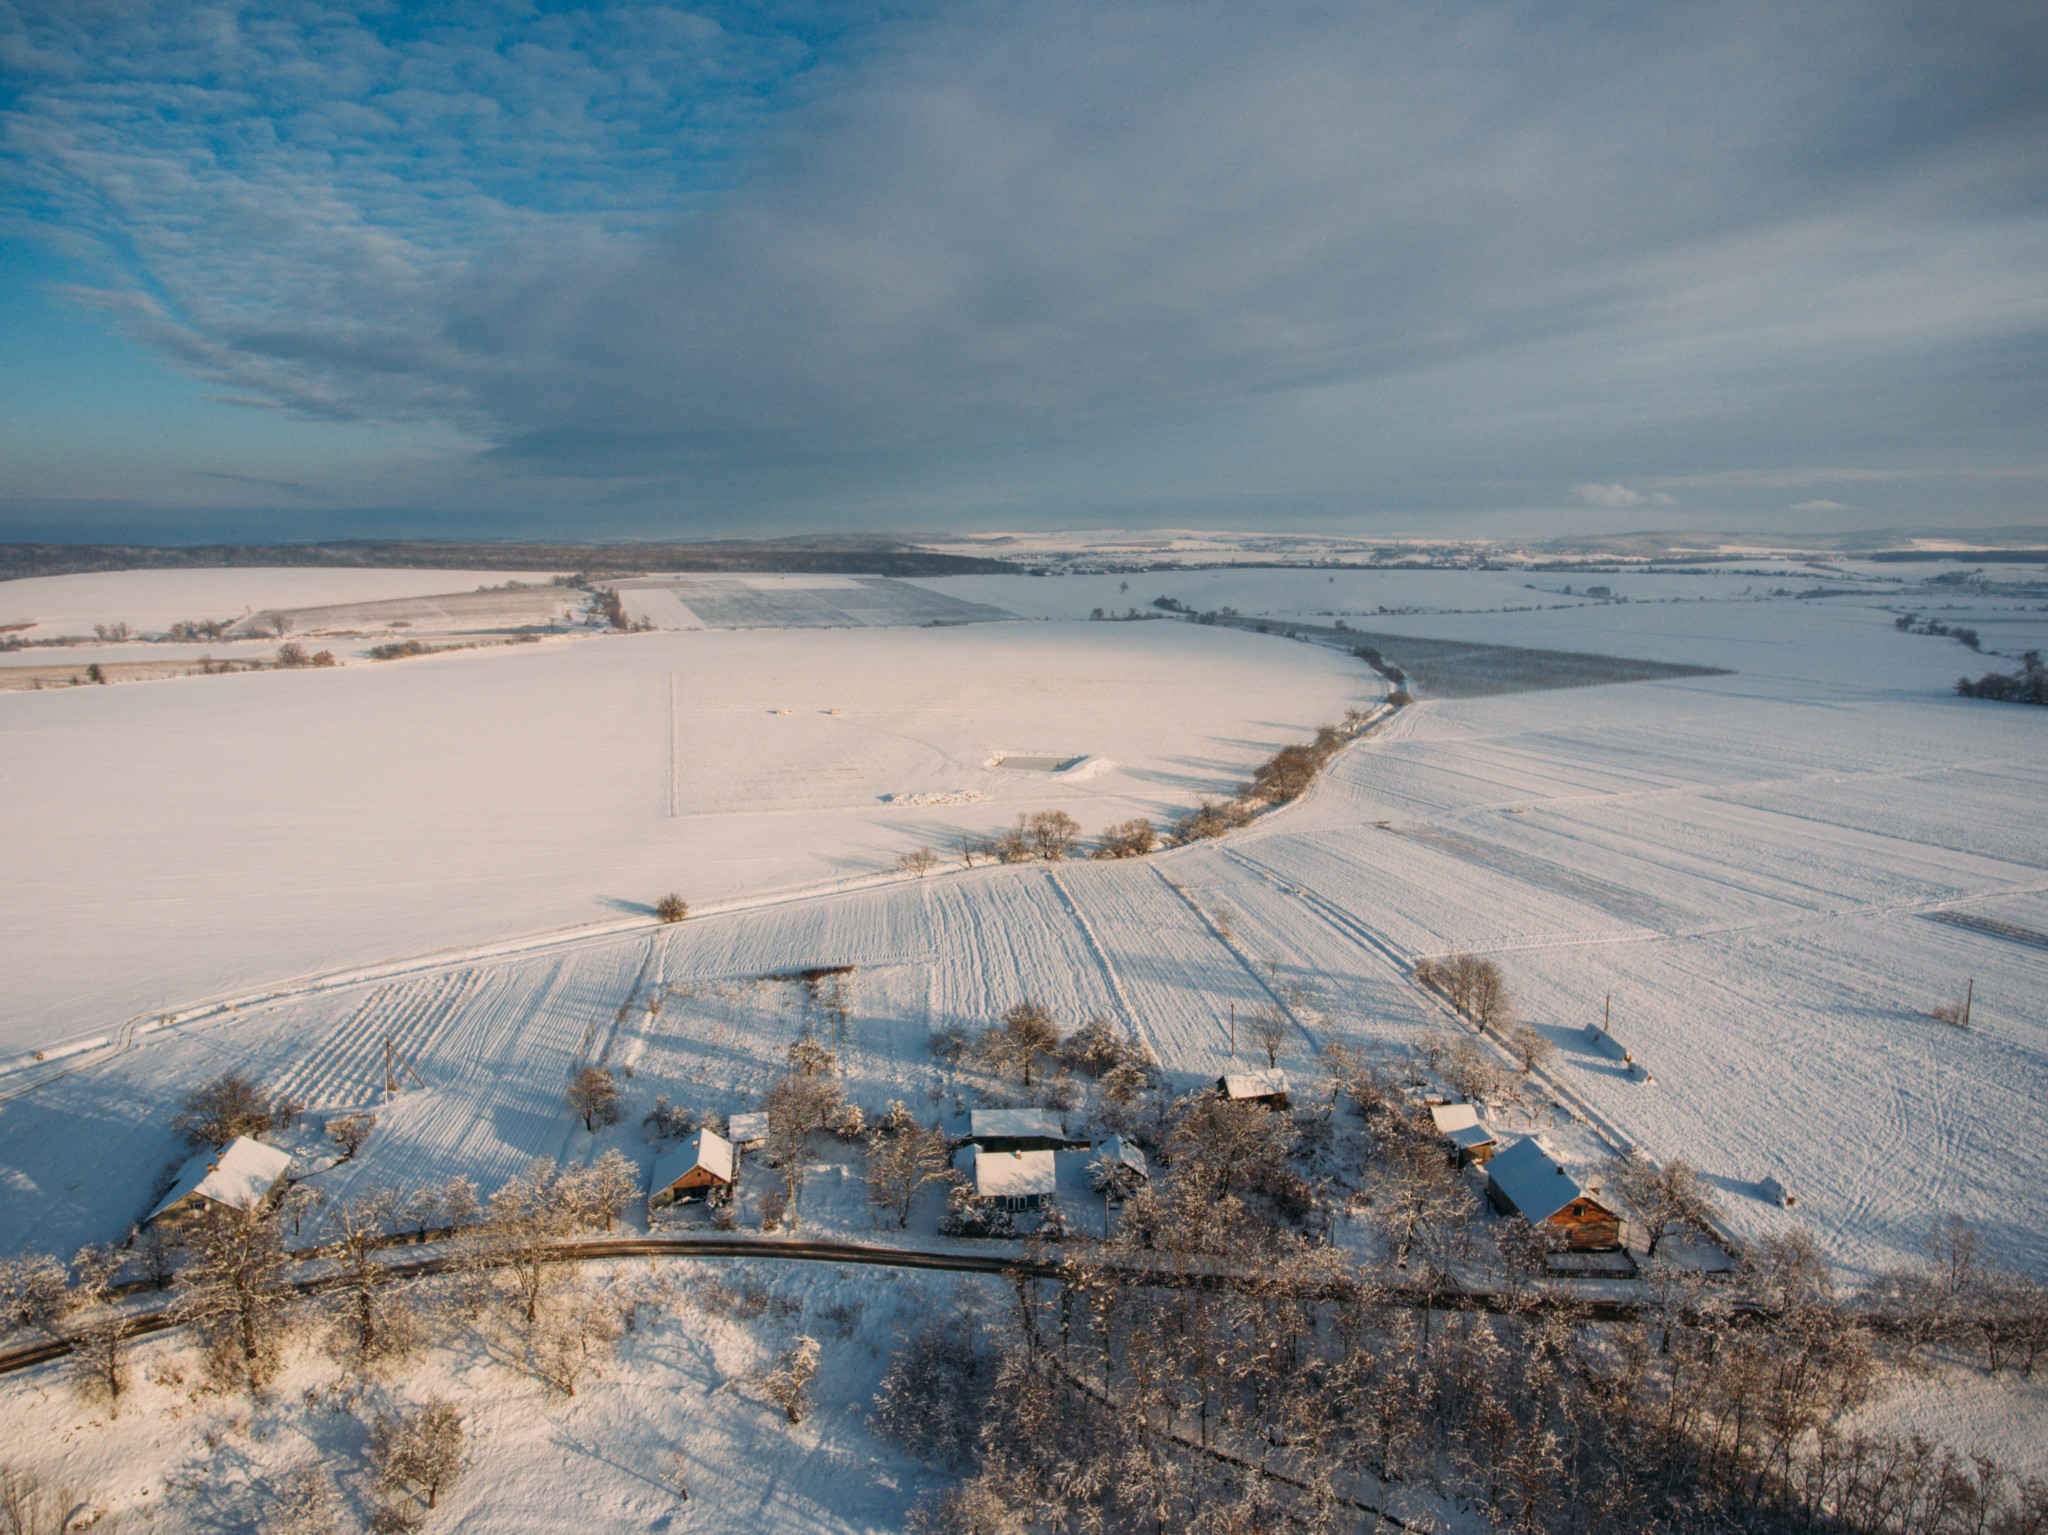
pixel 243 1175
pixel 1526 1180
pixel 1268 1087
pixel 1458 1125
pixel 691 1170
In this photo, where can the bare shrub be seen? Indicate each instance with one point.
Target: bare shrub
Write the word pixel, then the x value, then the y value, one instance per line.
pixel 919 861
pixel 306 1504
pixel 949 1044
pixel 1530 1046
pixel 31 1506
pixel 349 1132
pixel 1052 834
pixel 595 1096
pixel 1127 839
pixel 671 908
pixel 1209 818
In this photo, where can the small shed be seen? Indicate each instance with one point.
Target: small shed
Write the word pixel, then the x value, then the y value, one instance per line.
pixel 1118 1167
pixel 1459 1124
pixel 1526 1180
pixel 1012 1180
pixel 243 1175
pixel 1268 1087
pixel 747 1131
pixel 691 1170
pixel 1016 1130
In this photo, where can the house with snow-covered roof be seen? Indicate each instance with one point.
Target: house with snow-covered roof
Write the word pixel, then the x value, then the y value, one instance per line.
pixel 1011 1180
pixel 243 1175
pixel 1526 1180
pixel 1458 1123
pixel 1016 1130
pixel 692 1169
pixel 1268 1087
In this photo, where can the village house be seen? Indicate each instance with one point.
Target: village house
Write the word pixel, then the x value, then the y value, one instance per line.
pixel 1458 1123
pixel 1268 1087
pixel 1016 1130
pixel 1526 1180
pixel 243 1175
pixel 1011 1180
pixel 691 1170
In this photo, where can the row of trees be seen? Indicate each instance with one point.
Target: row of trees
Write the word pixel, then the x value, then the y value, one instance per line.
pixel 2028 685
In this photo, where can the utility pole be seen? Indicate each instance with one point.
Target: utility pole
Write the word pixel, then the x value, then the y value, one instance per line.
pixel 1607 1015
pixel 1969 996
pixel 1233 1031
pixel 390 1081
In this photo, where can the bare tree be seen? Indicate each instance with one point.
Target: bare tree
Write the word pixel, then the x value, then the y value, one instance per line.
pixel 919 861
pixel 228 1106
pixel 671 908
pixel 1025 1034
pixel 97 1330
pixel 31 1506
pixel 1052 834
pixel 595 1195
pixel 573 1339
pixel 233 1290
pixel 371 1323
pixel 418 1452
pixel 903 1156
pixel 527 1216
pixel 1269 1030
pixel 350 1132
pixel 796 1106
pixel 1218 1145
pixel 809 1058
pixel 1664 1198
pixel 788 1385
pixel 1530 1046
pixel 595 1096
pixel 306 1504
pixel 34 1292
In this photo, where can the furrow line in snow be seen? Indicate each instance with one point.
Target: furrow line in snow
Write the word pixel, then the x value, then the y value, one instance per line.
pixel 1109 973
pixel 1287 1010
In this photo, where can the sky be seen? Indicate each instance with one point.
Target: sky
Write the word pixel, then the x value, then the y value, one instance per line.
pixel 302 270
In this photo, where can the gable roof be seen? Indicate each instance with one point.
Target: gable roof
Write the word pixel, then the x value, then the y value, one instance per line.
pixel 704 1148
pixel 1532 1180
pixel 239 1175
pixel 1013 1174
pixel 1254 1084
pixel 1459 1124
pixel 1129 1153
pixel 1000 1124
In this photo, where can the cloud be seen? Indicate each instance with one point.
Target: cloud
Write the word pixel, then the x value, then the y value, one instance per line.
pixel 1619 496
pixel 1088 256
pixel 1821 506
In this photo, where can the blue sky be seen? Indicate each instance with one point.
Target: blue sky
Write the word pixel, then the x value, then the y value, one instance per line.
pixel 302 270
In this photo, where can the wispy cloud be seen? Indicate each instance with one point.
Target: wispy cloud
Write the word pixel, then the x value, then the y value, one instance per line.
pixel 1080 256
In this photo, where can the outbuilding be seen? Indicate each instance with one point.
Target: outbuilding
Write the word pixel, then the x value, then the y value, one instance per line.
pixel 691 1170
pixel 747 1131
pixel 1119 1169
pixel 243 1175
pixel 1526 1180
pixel 1016 1130
pixel 1458 1123
pixel 1268 1087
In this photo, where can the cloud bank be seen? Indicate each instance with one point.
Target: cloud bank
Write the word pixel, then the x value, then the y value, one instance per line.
pixel 1038 261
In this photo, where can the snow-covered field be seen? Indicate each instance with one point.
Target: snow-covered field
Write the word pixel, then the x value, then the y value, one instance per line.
pixel 1752 866
pixel 176 841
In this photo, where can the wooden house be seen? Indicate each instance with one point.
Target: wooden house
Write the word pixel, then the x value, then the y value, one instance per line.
pixel 1526 1180
pixel 691 1170
pixel 1011 1180
pixel 1458 1125
pixel 1017 1130
pixel 1268 1087
pixel 243 1175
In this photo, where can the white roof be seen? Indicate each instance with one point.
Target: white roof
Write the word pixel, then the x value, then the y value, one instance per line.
pixel 1532 1180
pixel 1130 1153
pixel 1459 1124
pixel 1014 1123
pixel 705 1148
pixel 744 1129
pixel 1013 1174
pixel 1254 1084
pixel 239 1174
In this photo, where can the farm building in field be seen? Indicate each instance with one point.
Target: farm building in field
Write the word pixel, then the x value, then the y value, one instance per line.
pixel 1016 1130
pixel 1459 1124
pixel 1011 1180
pixel 242 1175
pixel 1526 1180
pixel 691 1170
pixel 1268 1087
